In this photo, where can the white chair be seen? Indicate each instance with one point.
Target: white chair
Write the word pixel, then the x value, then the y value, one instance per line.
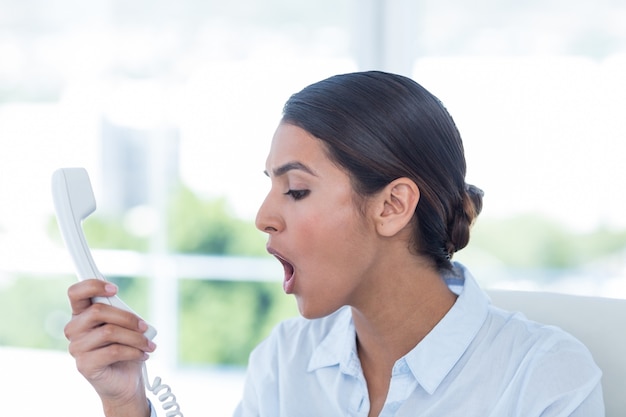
pixel 600 323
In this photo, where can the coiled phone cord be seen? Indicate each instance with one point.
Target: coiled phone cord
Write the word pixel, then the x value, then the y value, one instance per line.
pixel 167 398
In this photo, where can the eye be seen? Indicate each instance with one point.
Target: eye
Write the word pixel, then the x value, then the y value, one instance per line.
pixel 297 194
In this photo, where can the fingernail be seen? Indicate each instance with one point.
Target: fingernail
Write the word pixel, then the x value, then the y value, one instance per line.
pixel 110 288
pixel 151 345
pixel 143 326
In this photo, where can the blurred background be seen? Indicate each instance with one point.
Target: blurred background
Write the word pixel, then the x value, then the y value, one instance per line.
pixel 171 107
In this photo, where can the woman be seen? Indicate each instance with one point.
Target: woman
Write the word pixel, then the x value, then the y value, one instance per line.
pixel 368 203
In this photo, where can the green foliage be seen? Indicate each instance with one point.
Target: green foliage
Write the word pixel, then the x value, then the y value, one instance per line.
pixel 222 321
pixel 535 242
pixel 134 291
pixel 105 233
pixel 34 311
pixel 36 308
pixel 194 225
pixel 208 227
pixel 110 233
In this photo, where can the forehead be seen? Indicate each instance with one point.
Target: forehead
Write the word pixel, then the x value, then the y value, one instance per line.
pixel 294 146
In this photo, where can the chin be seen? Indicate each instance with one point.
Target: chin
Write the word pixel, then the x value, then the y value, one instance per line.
pixel 313 312
pixel 312 315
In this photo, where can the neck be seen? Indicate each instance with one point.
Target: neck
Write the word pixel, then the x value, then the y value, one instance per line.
pixel 406 306
pixel 401 307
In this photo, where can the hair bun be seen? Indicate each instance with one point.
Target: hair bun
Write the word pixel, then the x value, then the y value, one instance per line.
pixel 475 195
pixel 463 219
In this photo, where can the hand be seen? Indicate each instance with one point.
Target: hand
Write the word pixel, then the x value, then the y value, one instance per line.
pixel 109 347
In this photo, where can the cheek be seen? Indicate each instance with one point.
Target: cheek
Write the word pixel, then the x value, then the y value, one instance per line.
pixel 333 238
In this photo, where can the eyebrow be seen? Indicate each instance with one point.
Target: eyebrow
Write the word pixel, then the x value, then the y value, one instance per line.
pixel 290 166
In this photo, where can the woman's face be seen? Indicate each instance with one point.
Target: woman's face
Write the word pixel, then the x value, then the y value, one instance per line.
pixel 325 243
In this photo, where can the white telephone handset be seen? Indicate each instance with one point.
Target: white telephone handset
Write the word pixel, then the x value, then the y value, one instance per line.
pixel 73 202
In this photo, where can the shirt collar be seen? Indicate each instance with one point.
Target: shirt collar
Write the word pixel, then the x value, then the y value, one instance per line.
pixel 433 358
pixel 339 345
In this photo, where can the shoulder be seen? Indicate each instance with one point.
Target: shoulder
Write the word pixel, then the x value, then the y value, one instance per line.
pixel 513 332
pixel 544 363
pixel 526 333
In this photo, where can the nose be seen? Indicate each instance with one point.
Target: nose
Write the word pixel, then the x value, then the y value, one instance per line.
pixel 267 217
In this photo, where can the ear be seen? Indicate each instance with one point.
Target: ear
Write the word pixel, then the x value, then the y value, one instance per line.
pixel 396 205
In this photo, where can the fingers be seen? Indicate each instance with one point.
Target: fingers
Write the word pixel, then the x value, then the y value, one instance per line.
pixel 109 344
pixel 100 327
pixel 97 318
pixel 113 369
pixel 81 293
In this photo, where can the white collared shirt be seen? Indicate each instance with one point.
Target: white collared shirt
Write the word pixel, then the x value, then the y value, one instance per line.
pixel 478 361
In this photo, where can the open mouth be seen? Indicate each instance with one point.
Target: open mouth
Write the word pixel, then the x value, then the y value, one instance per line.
pixel 289 270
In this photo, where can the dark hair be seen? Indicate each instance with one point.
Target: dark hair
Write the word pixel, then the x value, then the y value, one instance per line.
pixel 379 127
